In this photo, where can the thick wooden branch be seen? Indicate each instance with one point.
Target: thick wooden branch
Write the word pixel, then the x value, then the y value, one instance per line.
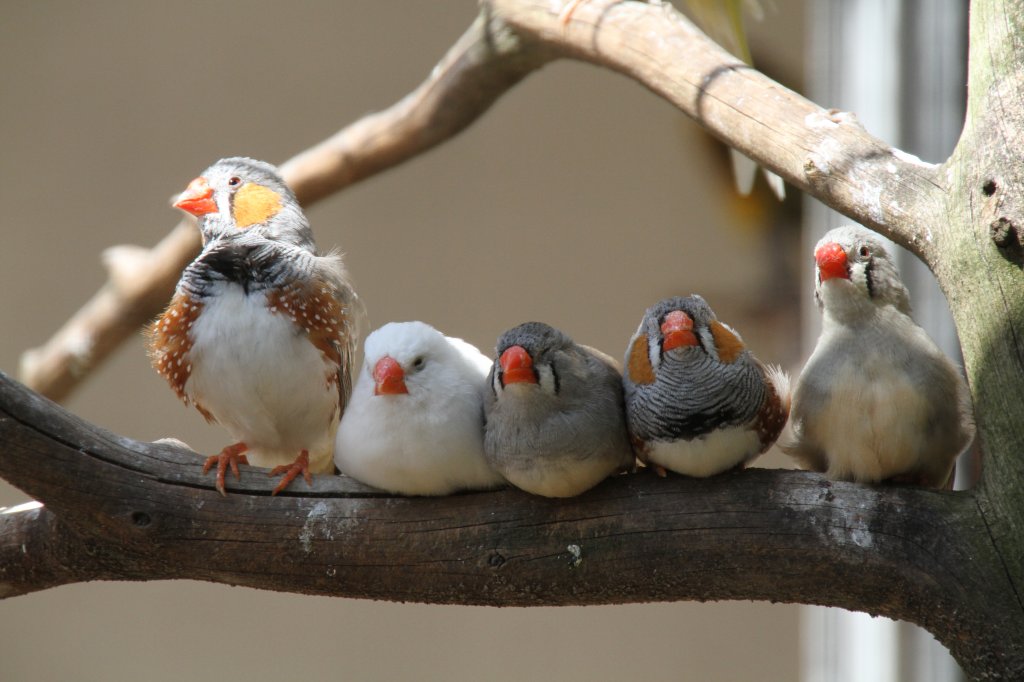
pixel 981 265
pixel 120 509
pixel 826 154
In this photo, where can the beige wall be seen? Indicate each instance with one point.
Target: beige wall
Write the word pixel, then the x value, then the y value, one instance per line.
pixel 611 199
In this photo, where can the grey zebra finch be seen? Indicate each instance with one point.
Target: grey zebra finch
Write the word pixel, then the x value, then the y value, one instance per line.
pixel 554 413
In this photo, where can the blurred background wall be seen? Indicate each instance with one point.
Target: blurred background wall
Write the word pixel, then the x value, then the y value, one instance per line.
pixel 611 198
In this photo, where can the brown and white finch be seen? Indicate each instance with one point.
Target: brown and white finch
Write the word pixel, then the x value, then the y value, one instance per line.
pixel 555 422
pixel 415 423
pixel 260 334
pixel 697 401
pixel 877 399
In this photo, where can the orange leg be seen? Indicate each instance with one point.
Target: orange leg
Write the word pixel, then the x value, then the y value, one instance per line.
pixel 230 455
pixel 290 471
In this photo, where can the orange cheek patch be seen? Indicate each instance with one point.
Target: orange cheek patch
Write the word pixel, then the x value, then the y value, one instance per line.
pixel 639 367
pixel 254 204
pixel 729 345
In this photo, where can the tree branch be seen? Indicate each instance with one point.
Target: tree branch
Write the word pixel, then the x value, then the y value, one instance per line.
pixel 826 154
pixel 981 267
pixel 136 511
pixel 119 509
pixel 38 552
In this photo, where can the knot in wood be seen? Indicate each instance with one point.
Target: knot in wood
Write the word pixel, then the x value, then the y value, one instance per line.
pixel 1006 236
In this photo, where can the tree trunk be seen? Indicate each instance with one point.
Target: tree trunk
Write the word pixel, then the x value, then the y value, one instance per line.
pixel 977 260
pixel 951 562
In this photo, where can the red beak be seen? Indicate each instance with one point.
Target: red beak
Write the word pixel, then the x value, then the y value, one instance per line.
pixel 197 198
pixel 517 366
pixel 676 331
pixel 831 260
pixel 389 377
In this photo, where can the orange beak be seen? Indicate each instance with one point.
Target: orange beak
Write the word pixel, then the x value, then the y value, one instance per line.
pixel 197 198
pixel 676 331
pixel 831 260
pixel 389 376
pixel 517 366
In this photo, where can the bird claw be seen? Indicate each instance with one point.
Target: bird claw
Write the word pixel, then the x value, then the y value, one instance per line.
pixel 232 456
pixel 291 471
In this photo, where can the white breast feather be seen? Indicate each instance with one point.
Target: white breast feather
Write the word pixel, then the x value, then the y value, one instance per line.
pixel 718 451
pixel 239 375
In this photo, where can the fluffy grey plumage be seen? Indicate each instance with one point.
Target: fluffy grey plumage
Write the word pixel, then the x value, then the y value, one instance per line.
pixel 554 423
pixel 877 399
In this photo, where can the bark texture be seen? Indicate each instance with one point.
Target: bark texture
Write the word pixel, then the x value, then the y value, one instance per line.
pixel 120 509
pixel 951 562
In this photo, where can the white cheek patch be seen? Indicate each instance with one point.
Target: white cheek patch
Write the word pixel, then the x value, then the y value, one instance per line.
pixel 223 203
pixel 654 351
pixel 707 341
pixel 546 379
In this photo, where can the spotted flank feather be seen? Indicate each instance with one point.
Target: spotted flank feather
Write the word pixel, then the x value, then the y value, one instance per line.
pixel 310 306
pixel 327 318
pixel 169 342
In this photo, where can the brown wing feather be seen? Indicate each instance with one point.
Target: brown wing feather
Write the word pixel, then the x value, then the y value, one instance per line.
pixel 169 342
pixel 325 312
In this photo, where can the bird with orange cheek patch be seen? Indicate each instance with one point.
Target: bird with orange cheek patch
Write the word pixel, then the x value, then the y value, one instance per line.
pixel 697 401
pixel 261 331
pixel 877 399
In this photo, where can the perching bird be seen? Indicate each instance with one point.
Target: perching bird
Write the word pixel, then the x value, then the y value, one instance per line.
pixel 415 424
pixel 555 422
pixel 260 334
pixel 877 399
pixel 697 401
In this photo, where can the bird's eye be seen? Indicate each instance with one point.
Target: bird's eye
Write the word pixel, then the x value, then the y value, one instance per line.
pixel 418 363
pixel 234 181
pixel 864 252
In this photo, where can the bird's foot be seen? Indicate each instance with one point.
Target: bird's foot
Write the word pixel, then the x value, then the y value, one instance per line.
pixel 661 471
pixel 231 456
pixel 290 471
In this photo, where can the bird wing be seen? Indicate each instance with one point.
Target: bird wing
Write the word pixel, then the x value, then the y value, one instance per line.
pixel 340 342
